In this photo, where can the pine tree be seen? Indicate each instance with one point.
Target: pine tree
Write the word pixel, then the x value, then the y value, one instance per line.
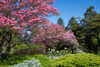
pixel 90 26
pixel 60 22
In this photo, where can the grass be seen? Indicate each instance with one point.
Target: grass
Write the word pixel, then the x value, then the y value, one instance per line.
pixel 43 60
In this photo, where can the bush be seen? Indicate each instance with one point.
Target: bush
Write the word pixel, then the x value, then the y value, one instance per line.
pixel 18 47
pixel 79 51
pixel 13 60
pixel 29 63
pixel 34 49
pixel 53 54
pixel 77 60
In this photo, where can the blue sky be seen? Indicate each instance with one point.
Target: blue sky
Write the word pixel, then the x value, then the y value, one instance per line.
pixel 76 8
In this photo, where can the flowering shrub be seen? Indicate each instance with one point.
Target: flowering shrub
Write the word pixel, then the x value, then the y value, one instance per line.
pixel 56 54
pixel 79 51
pixel 77 60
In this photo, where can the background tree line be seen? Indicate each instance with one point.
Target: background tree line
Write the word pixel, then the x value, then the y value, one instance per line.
pixel 87 30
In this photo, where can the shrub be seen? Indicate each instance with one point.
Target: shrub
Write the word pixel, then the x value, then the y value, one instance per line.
pixel 29 63
pixel 53 53
pixel 18 47
pixel 13 60
pixel 79 51
pixel 77 60
pixel 34 49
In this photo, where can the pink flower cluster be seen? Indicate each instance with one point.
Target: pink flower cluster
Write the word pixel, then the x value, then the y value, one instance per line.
pixel 7 21
pixel 53 34
pixel 69 38
pixel 24 13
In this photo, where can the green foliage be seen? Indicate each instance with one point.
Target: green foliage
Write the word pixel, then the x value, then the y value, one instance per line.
pixel 75 27
pixel 29 63
pixel 18 47
pixel 43 60
pixel 13 60
pixel 33 49
pixel 99 36
pixel 72 24
pixel 94 41
pixel 90 27
pixel 79 51
pixel 56 53
pixel 77 60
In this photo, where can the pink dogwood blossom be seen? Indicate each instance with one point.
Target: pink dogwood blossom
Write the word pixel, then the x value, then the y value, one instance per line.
pixel 17 15
pixel 53 34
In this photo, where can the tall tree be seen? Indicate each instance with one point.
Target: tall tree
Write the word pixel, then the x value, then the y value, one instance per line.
pixel 90 25
pixel 88 30
pixel 60 22
pixel 16 15
pixel 75 27
pixel 72 24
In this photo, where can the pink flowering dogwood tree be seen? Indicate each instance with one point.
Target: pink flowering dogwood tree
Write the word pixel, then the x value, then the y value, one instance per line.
pixel 52 34
pixel 16 15
pixel 47 34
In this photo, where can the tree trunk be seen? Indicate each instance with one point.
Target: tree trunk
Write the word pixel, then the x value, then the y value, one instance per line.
pixel 96 50
pixel 1 49
pixel 8 44
pixel 72 49
pixel 90 51
pixel 1 43
pixel 5 54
